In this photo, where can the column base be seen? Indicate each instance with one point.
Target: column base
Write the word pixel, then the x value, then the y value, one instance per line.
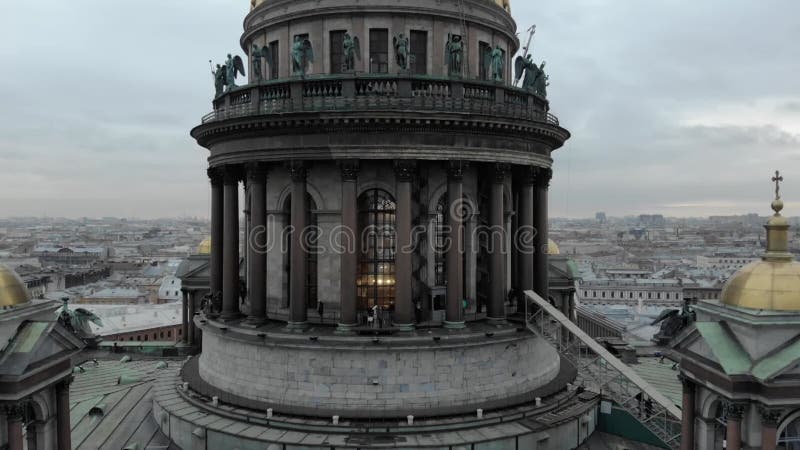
pixel 406 327
pixel 254 322
pixel 455 325
pixel 230 317
pixel 296 327
pixel 344 328
pixel 497 320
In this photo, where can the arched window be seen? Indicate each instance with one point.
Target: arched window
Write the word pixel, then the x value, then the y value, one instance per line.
pixel 311 255
pixel 378 242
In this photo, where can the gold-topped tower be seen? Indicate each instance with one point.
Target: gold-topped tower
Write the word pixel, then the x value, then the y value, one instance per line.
pixel 774 282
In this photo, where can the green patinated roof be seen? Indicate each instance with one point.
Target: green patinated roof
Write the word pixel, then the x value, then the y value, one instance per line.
pixel 661 376
pixel 771 366
pixel 730 354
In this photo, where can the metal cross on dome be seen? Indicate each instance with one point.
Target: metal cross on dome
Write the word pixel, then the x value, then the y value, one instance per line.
pixel 777 180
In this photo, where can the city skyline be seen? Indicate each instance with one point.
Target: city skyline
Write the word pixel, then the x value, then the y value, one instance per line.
pixel 689 118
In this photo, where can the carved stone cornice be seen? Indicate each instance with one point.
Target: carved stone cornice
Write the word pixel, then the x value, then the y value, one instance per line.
pixel 500 171
pixel 350 169
pixel 405 170
pixel 298 171
pixel 735 410
pixel 770 416
pixel 455 170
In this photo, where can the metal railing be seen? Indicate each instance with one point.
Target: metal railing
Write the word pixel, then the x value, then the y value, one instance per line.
pixel 602 372
pixel 372 93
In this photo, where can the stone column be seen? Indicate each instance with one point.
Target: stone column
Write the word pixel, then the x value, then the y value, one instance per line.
pixel 734 413
pixel 349 246
pixel 217 212
pixel 186 318
pixel 525 239
pixel 497 251
pixel 404 305
pixel 62 414
pixel 256 245
pixel 689 410
pixel 540 264
pixel 769 428
pixel 230 246
pixel 14 417
pixel 454 312
pixel 192 326
pixel 298 301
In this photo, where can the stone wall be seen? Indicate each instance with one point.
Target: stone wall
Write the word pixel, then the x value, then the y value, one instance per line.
pixel 364 375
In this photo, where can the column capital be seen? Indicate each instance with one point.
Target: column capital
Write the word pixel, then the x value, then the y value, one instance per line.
pixel 735 410
pixel 455 169
pixel 686 382
pixel 405 170
pixel 769 416
pixel 231 174
pixel 255 172
pixel 215 174
pixel 543 176
pixel 500 172
pixel 298 170
pixel 15 412
pixel 528 175
pixel 350 169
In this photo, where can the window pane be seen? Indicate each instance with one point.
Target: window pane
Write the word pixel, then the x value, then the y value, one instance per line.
pixel 419 52
pixel 379 51
pixel 337 51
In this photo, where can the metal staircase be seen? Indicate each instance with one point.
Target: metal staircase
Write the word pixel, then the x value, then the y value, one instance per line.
pixel 601 372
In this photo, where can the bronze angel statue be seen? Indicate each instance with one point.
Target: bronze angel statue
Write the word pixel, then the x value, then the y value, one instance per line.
pixel 454 54
pixel 234 66
pixel 255 60
pixel 494 63
pixel 352 50
pixel 535 80
pixel 401 51
pixel 219 79
pixel 302 55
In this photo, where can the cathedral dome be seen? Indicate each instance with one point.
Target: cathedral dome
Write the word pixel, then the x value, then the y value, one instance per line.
pixel 552 248
pixel 773 283
pixel 12 290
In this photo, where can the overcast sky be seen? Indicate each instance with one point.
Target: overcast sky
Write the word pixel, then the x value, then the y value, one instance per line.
pixel 680 107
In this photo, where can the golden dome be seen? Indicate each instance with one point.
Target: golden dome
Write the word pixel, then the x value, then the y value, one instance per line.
pixel 205 247
pixel 12 290
pixel 774 283
pixel 552 248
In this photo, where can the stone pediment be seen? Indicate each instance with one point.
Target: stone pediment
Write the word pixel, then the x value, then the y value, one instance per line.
pixel 37 344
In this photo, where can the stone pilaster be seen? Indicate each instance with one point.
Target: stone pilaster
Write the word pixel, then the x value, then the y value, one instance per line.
pixel 298 299
pixel 256 245
pixel 405 171
pixel 63 427
pixel 540 264
pixel 217 212
pixel 497 249
pixel 770 418
pixel 15 414
pixel 525 238
pixel 185 316
pixel 348 238
pixel 230 246
pixel 192 327
pixel 689 411
pixel 454 312
pixel 734 412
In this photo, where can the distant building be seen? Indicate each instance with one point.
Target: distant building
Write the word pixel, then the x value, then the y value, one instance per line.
pixel 652 220
pixel 630 292
pixel 69 255
pixel 724 262
pixel 170 290
pixel 116 296
pixel 601 217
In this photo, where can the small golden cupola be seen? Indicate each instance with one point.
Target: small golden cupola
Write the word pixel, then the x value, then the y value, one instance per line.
pixel 12 290
pixel 205 247
pixel 773 283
